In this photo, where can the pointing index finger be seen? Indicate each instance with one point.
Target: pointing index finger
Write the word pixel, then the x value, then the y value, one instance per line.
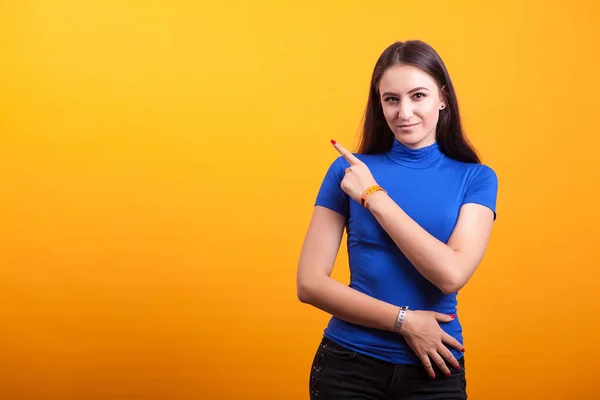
pixel 351 158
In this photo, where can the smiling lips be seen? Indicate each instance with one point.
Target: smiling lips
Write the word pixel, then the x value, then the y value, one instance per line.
pixel 408 126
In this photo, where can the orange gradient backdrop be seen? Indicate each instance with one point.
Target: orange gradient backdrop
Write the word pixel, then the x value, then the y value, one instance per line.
pixel 159 161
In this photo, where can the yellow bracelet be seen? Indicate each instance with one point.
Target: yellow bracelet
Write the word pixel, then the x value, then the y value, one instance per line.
pixel 368 192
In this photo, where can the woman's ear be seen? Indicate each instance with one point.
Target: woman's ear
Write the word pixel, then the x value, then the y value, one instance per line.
pixel 443 97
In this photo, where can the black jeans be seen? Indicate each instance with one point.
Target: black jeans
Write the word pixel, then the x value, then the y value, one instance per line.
pixel 340 373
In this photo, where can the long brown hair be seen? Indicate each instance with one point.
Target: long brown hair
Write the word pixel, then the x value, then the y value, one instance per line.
pixel 377 136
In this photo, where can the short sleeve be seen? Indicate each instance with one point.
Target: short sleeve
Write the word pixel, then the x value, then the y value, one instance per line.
pixel 483 188
pixel 330 194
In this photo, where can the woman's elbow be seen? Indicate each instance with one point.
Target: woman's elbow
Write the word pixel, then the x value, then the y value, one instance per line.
pixel 306 288
pixel 451 284
pixel 303 293
pixel 449 288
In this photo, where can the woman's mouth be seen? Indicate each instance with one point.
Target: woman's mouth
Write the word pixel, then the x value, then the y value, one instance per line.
pixel 407 126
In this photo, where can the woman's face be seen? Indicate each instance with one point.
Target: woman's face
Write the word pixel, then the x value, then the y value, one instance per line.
pixel 411 103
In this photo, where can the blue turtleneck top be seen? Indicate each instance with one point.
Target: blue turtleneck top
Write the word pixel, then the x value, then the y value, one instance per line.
pixel 430 187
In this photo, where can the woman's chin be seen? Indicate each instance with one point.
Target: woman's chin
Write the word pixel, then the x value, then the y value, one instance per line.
pixel 413 139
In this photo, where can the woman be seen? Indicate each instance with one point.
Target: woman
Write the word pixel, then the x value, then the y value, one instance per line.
pixel 418 208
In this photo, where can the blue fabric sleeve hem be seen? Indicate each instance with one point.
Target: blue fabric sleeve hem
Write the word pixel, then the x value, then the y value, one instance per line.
pixel 483 188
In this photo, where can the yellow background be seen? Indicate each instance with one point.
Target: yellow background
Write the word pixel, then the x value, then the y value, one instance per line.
pixel 159 161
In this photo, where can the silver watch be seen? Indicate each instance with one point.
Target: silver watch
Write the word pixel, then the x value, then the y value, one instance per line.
pixel 400 318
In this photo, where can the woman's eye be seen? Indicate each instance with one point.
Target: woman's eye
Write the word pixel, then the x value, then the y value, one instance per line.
pixel 391 99
pixel 419 95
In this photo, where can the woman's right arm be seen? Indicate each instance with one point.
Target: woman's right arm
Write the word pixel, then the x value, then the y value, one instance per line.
pixel 316 287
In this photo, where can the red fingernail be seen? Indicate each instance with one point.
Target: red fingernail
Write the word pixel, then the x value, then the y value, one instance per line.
pixel 432 376
pixel 448 373
pixel 333 141
pixel 452 316
pixel 463 349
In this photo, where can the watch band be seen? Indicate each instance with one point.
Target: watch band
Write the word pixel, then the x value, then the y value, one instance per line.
pixel 400 318
pixel 368 192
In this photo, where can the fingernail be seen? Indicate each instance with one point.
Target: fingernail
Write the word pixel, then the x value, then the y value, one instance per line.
pixel 452 316
pixel 432 376
pixel 333 141
pixel 463 349
pixel 457 366
pixel 448 373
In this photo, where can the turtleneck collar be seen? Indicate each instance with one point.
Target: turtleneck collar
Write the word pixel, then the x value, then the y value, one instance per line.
pixel 415 158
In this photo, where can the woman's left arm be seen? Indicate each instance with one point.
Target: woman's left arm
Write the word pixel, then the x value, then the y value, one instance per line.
pixel 448 266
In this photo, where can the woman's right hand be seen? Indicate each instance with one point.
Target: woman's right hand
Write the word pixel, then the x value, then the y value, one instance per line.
pixel 423 334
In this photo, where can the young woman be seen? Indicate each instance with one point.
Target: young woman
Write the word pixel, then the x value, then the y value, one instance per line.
pixel 418 208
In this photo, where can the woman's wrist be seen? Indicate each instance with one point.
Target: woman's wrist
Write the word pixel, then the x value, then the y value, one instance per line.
pixel 399 323
pixel 374 199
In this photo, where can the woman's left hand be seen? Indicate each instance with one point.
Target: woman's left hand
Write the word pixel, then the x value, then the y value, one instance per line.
pixel 358 177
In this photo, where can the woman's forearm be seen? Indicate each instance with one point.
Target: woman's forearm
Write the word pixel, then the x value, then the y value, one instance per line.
pixel 349 304
pixel 435 260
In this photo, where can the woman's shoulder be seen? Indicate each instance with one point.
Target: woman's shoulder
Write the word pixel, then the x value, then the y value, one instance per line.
pixel 471 168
